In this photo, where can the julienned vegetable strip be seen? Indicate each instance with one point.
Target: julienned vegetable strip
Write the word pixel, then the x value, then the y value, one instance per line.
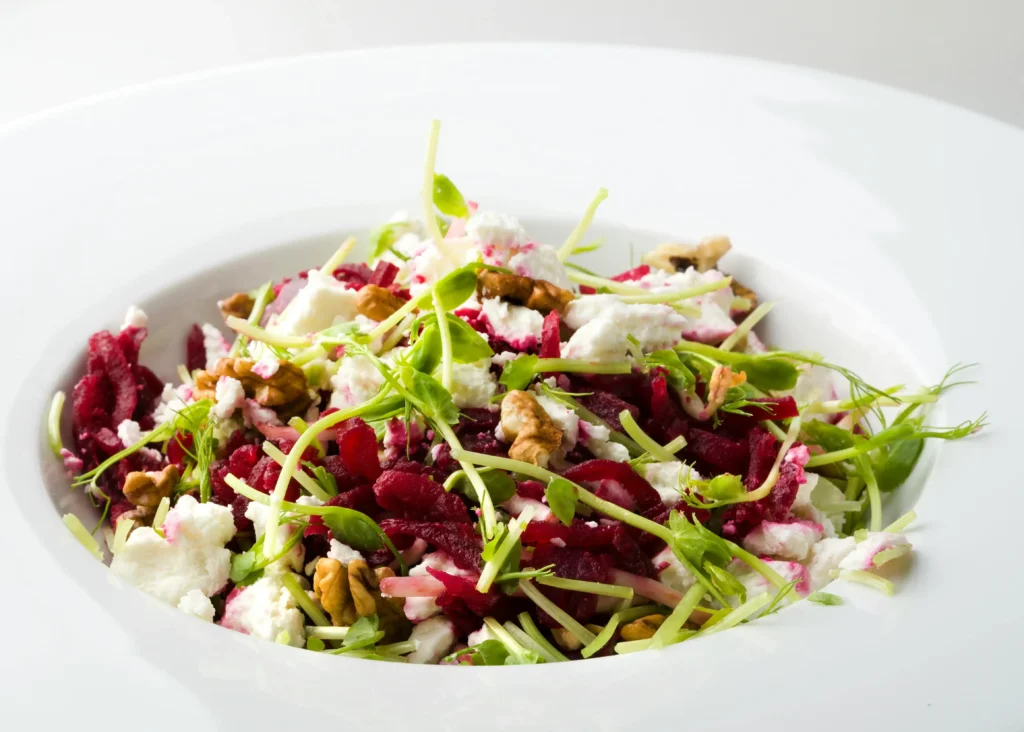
pixel 643 439
pixel 581 228
pixel 300 475
pixel 53 423
pixel 531 629
pixel 511 538
pixel 263 297
pixel 428 185
pixel 674 622
pixel 339 256
pixel 82 535
pixel 302 600
pixel 874 495
pixel 563 618
pixel 747 325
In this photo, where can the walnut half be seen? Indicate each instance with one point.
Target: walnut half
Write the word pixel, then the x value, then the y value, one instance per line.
pixel 538 295
pixel 147 489
pixel 377 303
pixel 285 390
pixel 643 628
pixel 240 305
pixel 528 427
pixel 349 592
pixel 703 255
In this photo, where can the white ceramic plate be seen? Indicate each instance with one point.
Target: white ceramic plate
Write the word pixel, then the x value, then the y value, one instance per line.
pixel 888 225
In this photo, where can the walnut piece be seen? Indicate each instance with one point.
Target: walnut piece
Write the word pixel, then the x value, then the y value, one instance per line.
pixel 240 305
pixel 147 489
pixel 142 516
pixel 529 428
pixel 703 255
pixel 287 385
pixel 643 628
pixel 349 592
pixel 377 303
pixel 538 295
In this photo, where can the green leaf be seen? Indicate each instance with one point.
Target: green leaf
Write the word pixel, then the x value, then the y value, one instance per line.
pixel 827 435
pixel 488 653
pixel 898 463
pixel 447 197
pixel 436 400
pixel 562 497
pixel 825 598
pixel 383 238
pixel 425 355
pixel 768 374
pixel 499 484
pixel 325 479
pixel 361 630
pixel 358 530
pixel 491 547
pixel 519 372
pixel 468 346
pixel 315 644
pixel 455 287
pixel 725 582
pixel 244 564
pixel 723 487
pixel 697 544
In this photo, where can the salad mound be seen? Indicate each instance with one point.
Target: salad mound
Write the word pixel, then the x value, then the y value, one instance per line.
pixel 470 450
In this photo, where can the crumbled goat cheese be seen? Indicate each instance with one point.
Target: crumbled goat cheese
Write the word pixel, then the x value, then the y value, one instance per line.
pixel 267 365
pixel 671 571
pixel 825 558
pixel 215 345
pixel 597 439
pixel 196 603
pixel 429 262
pixel 479 636
pixel 517 504
pixel 669 478
pixel 755 584
pixel 323 302
pixel 229 395
pixel 172 401
pixel 502 359
pixel 498 235
pixel 863 556
pixel 602 323
pixel 135 317
pixel 192 557
pixel 791 540
pixel 813 499
pixel 343 552
pixel 356 382
pixel 517 325
pixel 473 384
pixel 265 609
pixel 129 432
pixel 434 638
pixel 541 262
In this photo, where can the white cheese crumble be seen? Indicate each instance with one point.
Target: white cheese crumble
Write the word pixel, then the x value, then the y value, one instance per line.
pixel 323 302
pixel 479 636
pixel 596 438
pixel 215 345
pixel 863 556
pixel 192 557
pixel 265 609
pixel 356 382
pixel 825 557
pixel 668 478
pixel 602 323
pixel 135 317
pixel 343 552
pixel 813 499
pixel 497 234
pixel 172 401
pixel 196 603
pixel 434 638
pixel 520 326
pixel 129 432
pixel 541 262
pixel 258 514
pixel 671 571
pixel 267 365
pixel 229 395
pixel 791 540
pixel 473 384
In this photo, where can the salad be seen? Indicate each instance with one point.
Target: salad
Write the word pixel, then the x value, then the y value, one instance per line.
pixel 470 450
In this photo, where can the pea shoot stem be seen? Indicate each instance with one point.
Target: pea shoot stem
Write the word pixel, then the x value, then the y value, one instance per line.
pixel 581 228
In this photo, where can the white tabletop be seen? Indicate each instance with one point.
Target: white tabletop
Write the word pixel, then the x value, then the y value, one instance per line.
pixel 967 53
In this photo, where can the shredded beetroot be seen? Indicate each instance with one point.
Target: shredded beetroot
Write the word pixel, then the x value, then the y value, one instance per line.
pixel 551 338
pixel 462 604
pixel 608 407
pixel 458 540
pixel 531 489
pixel 417 497
pixel 577 564
pixel 719 452
pixel 179 447
pixel 105 354
pixel 264 475
pixel 383 274
pixel 353 275
pixel 195 351
pixel 357 446
pixel 130 341
pixel 149 388
pixel 611 539
pixel 475 420
pixel 616 482
pixel 89 401
pixel 359 498
pixel 763 450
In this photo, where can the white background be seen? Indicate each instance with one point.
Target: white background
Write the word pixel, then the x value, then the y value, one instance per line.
pixel 967 53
